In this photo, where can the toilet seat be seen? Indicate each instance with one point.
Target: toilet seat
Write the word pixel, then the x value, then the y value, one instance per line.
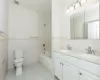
pixel 19 60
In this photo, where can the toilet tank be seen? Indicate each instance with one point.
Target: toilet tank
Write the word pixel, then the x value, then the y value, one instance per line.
pixel 18 54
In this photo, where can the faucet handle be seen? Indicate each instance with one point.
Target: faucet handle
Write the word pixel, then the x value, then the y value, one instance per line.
pixel 69 47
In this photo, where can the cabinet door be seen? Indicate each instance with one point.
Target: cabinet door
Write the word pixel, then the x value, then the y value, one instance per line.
pixel 58 69
pixel 70 72
pixel 87 76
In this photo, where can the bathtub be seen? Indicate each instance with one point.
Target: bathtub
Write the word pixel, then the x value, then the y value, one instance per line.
pixel 46 61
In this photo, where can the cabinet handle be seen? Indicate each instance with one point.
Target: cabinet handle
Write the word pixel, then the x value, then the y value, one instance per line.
pixel 80 73
pixel 60 62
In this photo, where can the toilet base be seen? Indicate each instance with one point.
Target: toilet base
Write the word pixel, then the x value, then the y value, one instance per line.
pixel 18 71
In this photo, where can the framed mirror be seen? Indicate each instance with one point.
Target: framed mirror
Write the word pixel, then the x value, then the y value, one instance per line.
pixel 85 24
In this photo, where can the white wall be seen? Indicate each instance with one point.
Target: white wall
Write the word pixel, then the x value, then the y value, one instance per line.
pixel 59 20
pixel 56 11
pixel 23 23
pixel 41 23
pixel 45 31
pixel 60 23
pixel 60 29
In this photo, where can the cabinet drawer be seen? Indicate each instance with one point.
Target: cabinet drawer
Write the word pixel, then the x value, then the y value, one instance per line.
pixel 88 76
pixel 90 67
pixel 70 60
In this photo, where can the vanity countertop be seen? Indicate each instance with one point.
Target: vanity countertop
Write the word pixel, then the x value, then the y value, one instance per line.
pixel 81 55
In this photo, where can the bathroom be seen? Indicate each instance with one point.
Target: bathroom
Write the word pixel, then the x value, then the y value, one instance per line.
pixel 49 40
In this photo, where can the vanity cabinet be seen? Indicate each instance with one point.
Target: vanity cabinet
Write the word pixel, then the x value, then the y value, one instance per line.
pixel 72 68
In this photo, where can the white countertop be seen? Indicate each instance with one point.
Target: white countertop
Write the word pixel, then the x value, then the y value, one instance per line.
pixel 81 55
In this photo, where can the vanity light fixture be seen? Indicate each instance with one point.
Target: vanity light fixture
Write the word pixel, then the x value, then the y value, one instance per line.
pixel 75 5
pixel 72 7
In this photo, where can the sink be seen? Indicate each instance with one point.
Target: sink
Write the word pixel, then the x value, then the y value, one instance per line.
pixel 65 51
pixel 88 56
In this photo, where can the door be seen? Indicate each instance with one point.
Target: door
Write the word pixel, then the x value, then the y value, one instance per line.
pixel 3 60
pixel 58 69
pixel 70 72
pixel 87 76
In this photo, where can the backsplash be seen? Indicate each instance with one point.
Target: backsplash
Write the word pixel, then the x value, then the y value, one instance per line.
pixel 77 45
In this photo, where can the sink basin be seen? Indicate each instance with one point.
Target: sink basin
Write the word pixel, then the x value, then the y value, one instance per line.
pixel 88 56
pixel 65 51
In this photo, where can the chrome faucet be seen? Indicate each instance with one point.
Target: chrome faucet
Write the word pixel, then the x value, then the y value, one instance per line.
pixel 69 47
pixel 93 52
pixel 90 51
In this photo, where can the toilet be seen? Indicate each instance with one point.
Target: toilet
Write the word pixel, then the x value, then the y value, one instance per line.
pixel 18 61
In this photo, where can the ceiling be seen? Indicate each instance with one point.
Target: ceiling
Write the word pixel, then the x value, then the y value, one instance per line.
pixel 41 5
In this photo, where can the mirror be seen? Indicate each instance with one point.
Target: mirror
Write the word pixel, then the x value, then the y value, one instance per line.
pixel 85 23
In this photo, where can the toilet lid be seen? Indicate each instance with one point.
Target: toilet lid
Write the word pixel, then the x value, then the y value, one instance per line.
pixel 19 60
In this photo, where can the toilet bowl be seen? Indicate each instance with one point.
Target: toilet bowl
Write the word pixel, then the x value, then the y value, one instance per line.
pixel 18 62
pixel 18 65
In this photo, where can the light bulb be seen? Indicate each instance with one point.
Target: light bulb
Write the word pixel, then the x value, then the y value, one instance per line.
pixel 77 5
pixel 72 8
